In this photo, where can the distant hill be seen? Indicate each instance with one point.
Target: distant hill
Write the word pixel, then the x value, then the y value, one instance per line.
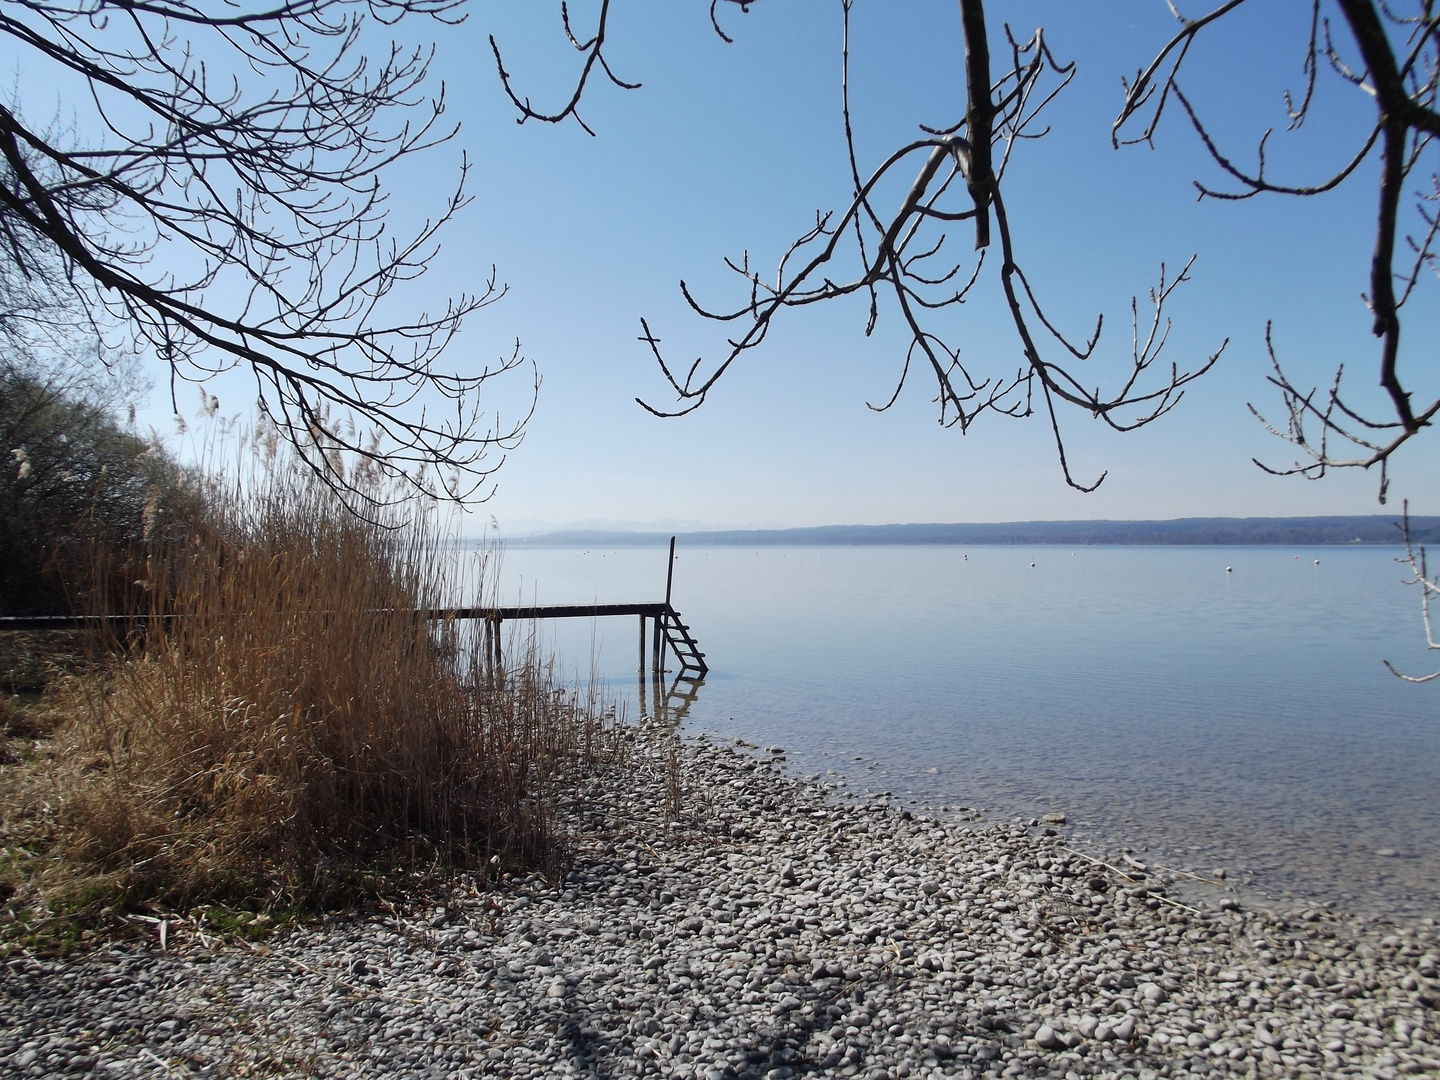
pixel 1376 529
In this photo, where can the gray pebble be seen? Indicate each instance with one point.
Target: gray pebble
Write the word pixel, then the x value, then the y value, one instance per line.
pixel 774 927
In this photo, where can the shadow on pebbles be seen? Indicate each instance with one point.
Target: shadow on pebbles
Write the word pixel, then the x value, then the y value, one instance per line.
pixel 767 930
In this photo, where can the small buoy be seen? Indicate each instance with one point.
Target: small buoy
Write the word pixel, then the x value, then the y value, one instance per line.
pixel 1317 562
pixel 1227 569
pixel 1032 566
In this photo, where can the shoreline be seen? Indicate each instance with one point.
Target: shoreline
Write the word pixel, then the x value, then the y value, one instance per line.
pixel 767 930
pixel 1265 880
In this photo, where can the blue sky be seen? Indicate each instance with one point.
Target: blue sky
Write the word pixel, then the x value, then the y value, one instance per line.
pixel 734 147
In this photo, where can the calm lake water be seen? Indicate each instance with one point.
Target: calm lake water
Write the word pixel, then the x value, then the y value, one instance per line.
pixel 1196 717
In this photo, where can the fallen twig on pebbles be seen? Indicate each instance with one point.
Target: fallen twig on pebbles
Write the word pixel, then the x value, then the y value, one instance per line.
pixel 1171 901
pixel 1197 877
pixel 1101 862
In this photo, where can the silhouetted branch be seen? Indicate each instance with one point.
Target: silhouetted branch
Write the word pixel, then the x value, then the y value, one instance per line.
pixel 592 48
pixel 1402 84
pixel 239 153
pixel 1140 91
pixel 898 251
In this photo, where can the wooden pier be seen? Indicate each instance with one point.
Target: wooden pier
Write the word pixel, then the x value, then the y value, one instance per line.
pixel 665 630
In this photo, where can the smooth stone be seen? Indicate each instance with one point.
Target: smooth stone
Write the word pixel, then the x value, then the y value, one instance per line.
pixel 864 965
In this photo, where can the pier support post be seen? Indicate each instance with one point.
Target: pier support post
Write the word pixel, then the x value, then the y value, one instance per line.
pixel 492 631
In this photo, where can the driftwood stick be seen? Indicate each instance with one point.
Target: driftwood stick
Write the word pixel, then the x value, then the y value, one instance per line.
pixel 1134 881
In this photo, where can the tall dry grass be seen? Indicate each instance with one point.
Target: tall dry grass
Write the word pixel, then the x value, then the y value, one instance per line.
pixel 286 724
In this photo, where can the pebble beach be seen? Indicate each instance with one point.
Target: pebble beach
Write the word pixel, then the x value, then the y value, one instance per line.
pixel 721 918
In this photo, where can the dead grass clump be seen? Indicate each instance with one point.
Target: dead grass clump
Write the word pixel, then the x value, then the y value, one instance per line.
pixel 286 724
pixel 15 721
pixel 30 660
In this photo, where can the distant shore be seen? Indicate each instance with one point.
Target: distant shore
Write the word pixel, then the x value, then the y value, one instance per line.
pixel 1376 529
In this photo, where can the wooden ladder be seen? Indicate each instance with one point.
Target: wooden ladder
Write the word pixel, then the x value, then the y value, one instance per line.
pixel 681 643
pixel 670 631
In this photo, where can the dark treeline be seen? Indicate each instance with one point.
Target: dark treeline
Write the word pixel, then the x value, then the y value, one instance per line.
pixel 1375 529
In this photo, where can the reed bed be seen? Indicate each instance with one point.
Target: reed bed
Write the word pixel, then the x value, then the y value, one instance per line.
pixel 285 729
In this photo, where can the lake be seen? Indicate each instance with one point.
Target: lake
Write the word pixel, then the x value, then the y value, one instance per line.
pixel 1200 718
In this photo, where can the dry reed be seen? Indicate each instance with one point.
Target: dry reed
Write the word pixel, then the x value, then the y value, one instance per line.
pixel 285 724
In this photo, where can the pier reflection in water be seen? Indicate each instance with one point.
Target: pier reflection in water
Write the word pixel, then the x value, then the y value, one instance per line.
pixel 668 696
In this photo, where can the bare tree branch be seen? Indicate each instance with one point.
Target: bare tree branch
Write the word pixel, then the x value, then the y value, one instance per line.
pixel 1400 73
pixel 1140 91
pixel 1429 590
pixel 865 248
pixel 240 152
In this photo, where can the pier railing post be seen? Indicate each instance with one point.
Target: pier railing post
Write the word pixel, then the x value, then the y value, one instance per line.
pixel 670 573
pixel 660 638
